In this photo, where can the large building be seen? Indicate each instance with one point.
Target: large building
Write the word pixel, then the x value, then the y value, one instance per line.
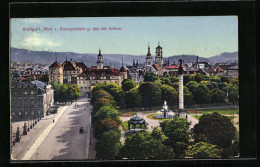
pixel 79 73
pixel 31 100
pixel 99 74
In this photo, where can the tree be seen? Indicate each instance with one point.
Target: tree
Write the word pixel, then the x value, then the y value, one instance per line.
pixel 203 150
pixel 104 125
pixel 217 129
pixel 193 86
pixel 128 84
pixel 73 91
pixel 109 145
pixel 150 94
pixel 200 77
pixel 177 131
pixel 232 93
pixel 101 94
pixel 217 96
pixel 202 94
pixel 137 146
pixel 145 145
pixel 150 77
pixel 133 98
pixel 159 144
pixel 169 94
pixel 102 102
pixel 188 97
pixel 106 112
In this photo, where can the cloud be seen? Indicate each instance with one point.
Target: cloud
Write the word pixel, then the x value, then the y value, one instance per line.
pixel 35 40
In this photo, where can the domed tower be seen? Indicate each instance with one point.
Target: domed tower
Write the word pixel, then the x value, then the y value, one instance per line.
pixel 100 60
pixel 149 58
pixel 123 71
pixel 158 55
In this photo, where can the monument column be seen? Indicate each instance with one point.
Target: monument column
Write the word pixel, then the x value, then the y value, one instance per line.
pixel 181 96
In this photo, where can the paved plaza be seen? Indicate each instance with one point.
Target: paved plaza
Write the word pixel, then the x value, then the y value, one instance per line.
pixel 59 140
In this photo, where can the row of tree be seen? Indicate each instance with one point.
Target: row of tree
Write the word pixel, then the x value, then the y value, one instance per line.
pixel 198 89
pixel 65 92
pixel 105 122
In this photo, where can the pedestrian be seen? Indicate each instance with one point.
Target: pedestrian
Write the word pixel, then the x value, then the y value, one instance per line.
pixel 53 120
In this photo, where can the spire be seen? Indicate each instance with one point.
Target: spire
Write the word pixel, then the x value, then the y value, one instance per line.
pixel 133 62
pixel 158 43
pixel 122 61
pixel 110 64
pixel 66 57
pixel 99 51
pixel 137 62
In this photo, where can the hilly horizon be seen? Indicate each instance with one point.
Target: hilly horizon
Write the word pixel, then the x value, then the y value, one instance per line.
pixel 47 58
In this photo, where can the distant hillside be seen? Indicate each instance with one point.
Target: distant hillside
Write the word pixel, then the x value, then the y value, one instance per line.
pixel 225 57
pixel 186 58
pixel 45 57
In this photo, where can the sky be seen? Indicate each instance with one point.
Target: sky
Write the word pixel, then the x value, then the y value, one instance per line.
pixel 204 36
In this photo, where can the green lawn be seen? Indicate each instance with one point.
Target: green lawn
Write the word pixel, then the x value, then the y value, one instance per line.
pixel 220 111
pixel 125 123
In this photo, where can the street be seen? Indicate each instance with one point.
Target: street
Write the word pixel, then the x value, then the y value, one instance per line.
pixel 63 141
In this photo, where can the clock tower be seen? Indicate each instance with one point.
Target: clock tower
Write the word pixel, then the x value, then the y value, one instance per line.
pixel 158 55
pixel 100 60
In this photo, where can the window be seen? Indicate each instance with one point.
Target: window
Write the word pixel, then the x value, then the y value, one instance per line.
pixel 83 82
pixel 79 82
pixel 25 102
pixel 52 78
pixel 13 113
pixel 32 113
pixel 25 93
pixel 32 92
pixel 20 113
pixel 51 72
pixel 32 102
pixel 25 113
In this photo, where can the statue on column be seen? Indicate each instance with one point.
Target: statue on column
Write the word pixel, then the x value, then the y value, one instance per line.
pixel 181 93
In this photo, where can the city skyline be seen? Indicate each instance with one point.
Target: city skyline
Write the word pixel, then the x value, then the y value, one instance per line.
pixel 204 36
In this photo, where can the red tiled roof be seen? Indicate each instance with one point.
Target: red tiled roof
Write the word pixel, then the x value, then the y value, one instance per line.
pixel 172 67
pixel 81 65
pixel 123 69
pixel 102 72
pixel 55 64
pixel 69 66
pixel 157 67
pixel 225 67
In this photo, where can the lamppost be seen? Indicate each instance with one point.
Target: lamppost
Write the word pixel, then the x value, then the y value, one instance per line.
pixel 28 126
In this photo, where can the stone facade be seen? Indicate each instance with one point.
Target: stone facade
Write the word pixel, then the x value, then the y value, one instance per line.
pixel 30 100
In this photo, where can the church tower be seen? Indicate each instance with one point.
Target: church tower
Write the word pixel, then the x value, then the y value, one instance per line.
pixel 149 58
pixel 100 60
pixel 158 55
pixel 123 70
